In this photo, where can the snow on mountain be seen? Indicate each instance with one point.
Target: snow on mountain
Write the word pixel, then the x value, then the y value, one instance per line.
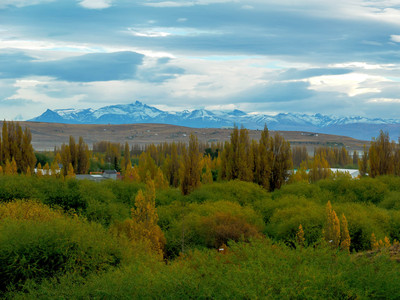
pixel 355 126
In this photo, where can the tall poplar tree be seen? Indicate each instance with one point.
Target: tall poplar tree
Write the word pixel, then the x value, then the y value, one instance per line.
pixel 191 167
pixel 263 168
pixel 28 155
pixel 83 157
pixel 6 144
pixel 244 160
pixel 281 161
pixel 363 162
pixel 381 155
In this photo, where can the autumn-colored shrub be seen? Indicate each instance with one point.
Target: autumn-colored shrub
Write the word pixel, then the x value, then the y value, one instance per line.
pixel 207 224
pixel 28 210
pixel 222 227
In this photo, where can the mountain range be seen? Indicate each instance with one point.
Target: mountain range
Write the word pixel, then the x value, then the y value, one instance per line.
pixel 354 126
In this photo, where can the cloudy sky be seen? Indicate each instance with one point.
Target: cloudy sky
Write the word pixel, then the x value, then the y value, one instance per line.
pixel 337 57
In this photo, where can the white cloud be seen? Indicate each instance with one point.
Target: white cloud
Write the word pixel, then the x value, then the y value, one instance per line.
pixel 49 49
pixel 352 84
pixel 363 65
pixel 186 3
pixel 384 100
pixel 22 3
pixel 36 89
pixel 247 7
pixel 148 33
pixel 395 38
pixel 95 4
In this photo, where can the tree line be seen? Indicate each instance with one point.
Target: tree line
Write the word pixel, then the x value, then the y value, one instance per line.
pixel 16 151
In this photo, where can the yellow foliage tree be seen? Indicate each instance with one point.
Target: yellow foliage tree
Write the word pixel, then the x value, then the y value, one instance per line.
pixel 14 168
pixel 54 169
pixel 159 180
pixel 146 165
pixel 301 174
pixel 1 170
pixel 46 169
pixel 128 173
pixel 28 171
pixel 39 171
pixel 332 229
pixel 70 172
pixel 319 169
pixel 386 242
pixel 7 168
pixel 142 226
pixel 374 242
pixel 207 177
pixel 300 236
pixel 344 234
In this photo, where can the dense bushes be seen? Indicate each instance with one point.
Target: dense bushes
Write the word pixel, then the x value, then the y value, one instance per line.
pixel 41 243
pixel 236 191
pixel 255 270
pixel 68 234
pixel 209 224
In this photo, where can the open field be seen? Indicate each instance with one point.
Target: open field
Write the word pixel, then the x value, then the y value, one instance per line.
pixel 47 135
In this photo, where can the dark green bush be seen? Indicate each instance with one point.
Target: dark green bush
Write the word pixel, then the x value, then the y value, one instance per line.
pixel 102 205
pixel 60 193
pixel 124 192
pixel 17 187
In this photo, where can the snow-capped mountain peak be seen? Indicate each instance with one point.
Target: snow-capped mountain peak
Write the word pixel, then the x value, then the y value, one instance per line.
pixel 138 112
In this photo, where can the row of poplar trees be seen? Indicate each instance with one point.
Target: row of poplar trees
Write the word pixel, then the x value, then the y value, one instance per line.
pixel 382 157
pixel 16 148
pixel 267 162
pixel 74 156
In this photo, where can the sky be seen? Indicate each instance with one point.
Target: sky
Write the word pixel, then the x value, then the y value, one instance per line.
pixel 337 57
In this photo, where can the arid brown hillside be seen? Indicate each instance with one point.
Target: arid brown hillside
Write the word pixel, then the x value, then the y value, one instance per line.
pixel 47 135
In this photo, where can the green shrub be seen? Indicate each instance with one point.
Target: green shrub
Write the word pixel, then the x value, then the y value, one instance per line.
pixel 284 222
pixel 37 250
pixel 61 193
pixel 101 203
pixel 17 187
pixel 363 220
pixel 300 189
pixel 391 200
pixel 124 192
pixel 256 270
pixel 367 190
pixel 242 192
pixel 167 196
pixel 208 224
pixel 392 182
